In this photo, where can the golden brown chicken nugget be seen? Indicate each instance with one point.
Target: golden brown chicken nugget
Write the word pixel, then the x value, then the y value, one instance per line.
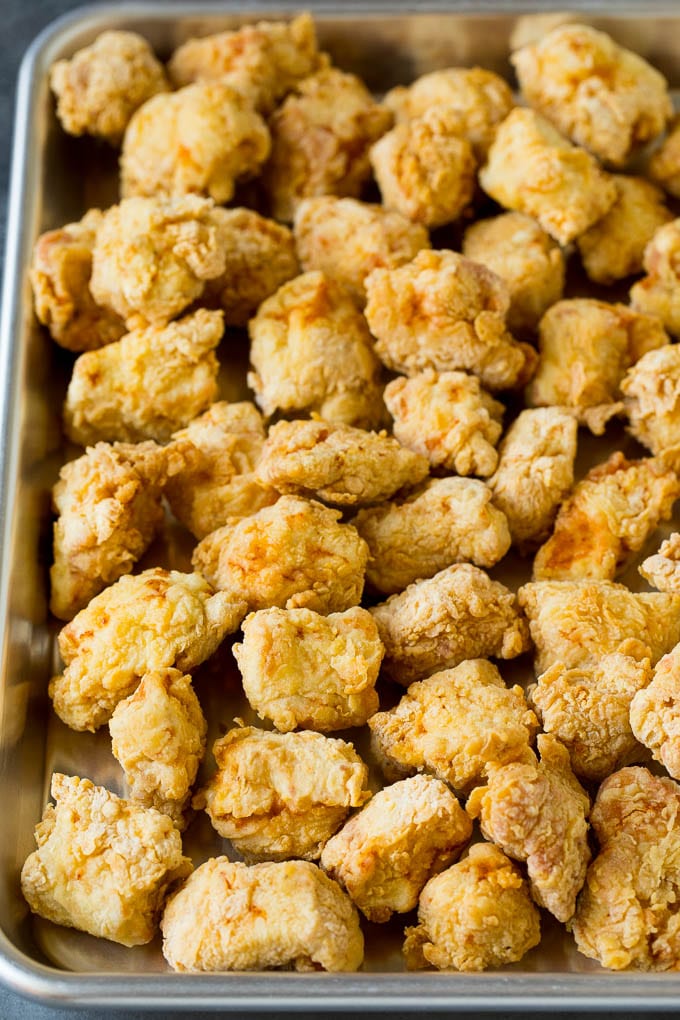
pixel 664 166
pixel 651 399
pixel 655 713
pixel 663 569
pixel 658 292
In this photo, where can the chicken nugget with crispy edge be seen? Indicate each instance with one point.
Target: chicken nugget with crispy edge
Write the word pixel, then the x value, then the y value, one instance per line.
pixel 657 292
pixel 655 713
pixel 664 165
pixel 651 399
pixel 662 570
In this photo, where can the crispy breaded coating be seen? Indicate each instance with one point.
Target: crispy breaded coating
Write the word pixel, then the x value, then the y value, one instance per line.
pixel 663 569
pixel 158 736
pixel 445 312
pixel 103 865
pixel 219 452
pixel 598 93
pixel 147 385
pixel 534 169
pixel 280 795
pixel 109 509
pixel 664 166
pixel 658 292
pixel 101 86
pixel 304 670
pixel 425 169
pixel 476 915
pixel 347 239
pixel 613 247
pixel 311 351
pixel 337 464
pixel 655 713
pixel 610 514
pixel 535 472
pixel 586 346
pixel 576 622
pixel 60 276
pixel 627 912
pixel 454 723
pixel 515 247
pixel 587 708
pixel 651 399
pixel 450 520
pixel 384 854
pixel 320 136
pixel 151 621
pixel 458 614
pixel 229 916
pixel 294 554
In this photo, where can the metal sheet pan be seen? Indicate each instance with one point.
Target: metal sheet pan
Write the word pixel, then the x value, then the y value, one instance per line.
pixel 54 179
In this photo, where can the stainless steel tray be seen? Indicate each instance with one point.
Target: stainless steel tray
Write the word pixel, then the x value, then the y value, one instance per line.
pixel 54 179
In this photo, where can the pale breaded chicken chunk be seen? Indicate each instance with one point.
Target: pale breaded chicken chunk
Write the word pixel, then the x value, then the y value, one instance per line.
pixel 320 137
pixel 158 736
pixel 311 351
pixel 627 914
pixel 535 472
pixel 577 622
pixel 216 482
pixel 651 399
pixel 655 713
pixel 664 166
pixel 586 347
pixel 229 916
pixel 294 554
pixel 151 621
pixel 386 852
pixel 610 514
pixel 103 865
pixel 262 61
pixel 454 723
pixel 448 418
pixel 337 464
pixel 445 312
pixel 587 708
pixel 515 247
pixel 458 614
pixel 60 275
pixel 424 168
pixel 101 86
pixel 534 169
pixel 147 385
pixel 109 509
pixel 658 293
pixel 613 248
pixel 663 569
pixel 200 140
pixel 476 915
pixel 598 93
pixel 450 520
pixel 281 795
pixel 304 670
pixel 347 239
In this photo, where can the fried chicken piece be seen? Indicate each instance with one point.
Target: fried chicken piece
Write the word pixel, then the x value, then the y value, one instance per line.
pixel 147 385
pixel 103 865
pixel 655 713
pixel 651 392
pixel 101 86
pixel 311 351
pixel 347 239
pixel 294 554
pixel 280 795
pixel 60 276
pixel 587 708
pixel 445 312
pixel 449 520
pixel 109 509
pixel 321 135
pixel 663 569
pixel 536 812
pixel 534 169
pixel 610 514
pixel 150 621
pixel 476 915
pixel 535 472
pixel 158 736
pixel 384 854
pixel 627 912
pixel 586 347
pixel 454 723
pixel 458 614
pixel 664 166
pixel 301 669
pixel 600 94
pixel 425 169
pixel 657 293
pixel 229 916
